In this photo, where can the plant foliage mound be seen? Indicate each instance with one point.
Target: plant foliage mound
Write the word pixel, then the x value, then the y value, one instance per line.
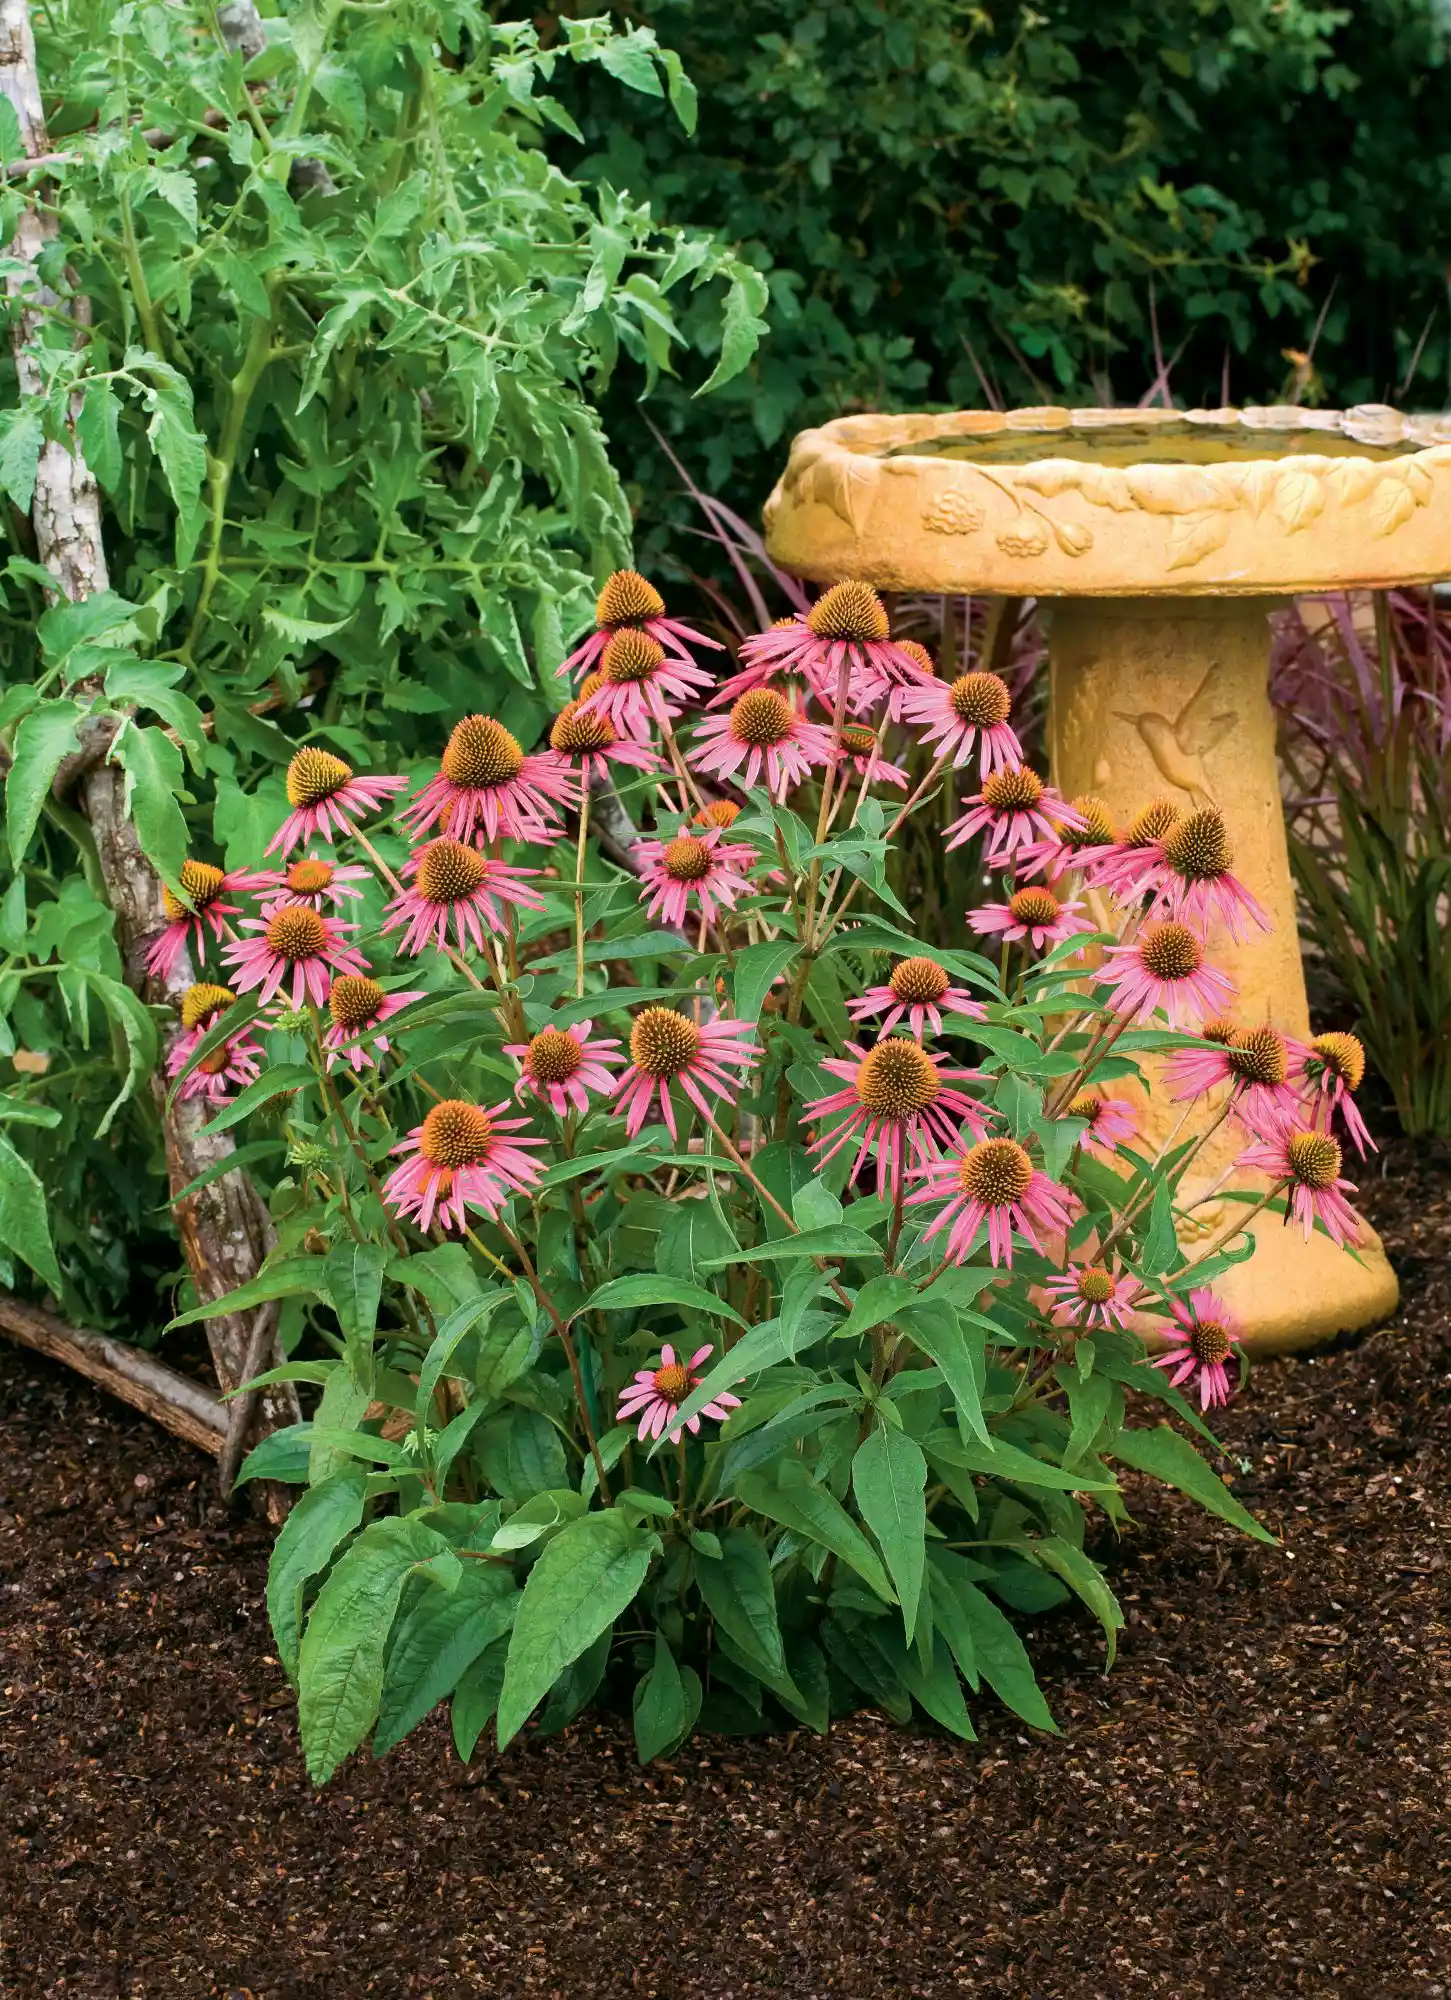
pixel 345 321
pixel 723 1300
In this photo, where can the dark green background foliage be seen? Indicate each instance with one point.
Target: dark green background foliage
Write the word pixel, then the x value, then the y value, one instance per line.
pixel 916 175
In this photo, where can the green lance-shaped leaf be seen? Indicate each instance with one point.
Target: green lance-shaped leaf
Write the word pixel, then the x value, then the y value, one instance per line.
pixel 983 1641
pixel 581 1583
pixel 353 1277
pixel 283 1279
pixel 437 1642
pixel 741 1597
pixel 756 970
pixel 889 1477
pixel 476 1697
pixel 1173 1459
pixel 667 1702
pixel 788 1494
pixel 645 1288
pixel 1085 1579
pixel 322 1517
pixel 340 1663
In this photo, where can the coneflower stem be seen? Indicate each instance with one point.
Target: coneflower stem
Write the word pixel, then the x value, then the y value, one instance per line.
pixel 579 891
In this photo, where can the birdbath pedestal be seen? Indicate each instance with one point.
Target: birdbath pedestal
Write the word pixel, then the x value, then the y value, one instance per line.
pixel 1157 542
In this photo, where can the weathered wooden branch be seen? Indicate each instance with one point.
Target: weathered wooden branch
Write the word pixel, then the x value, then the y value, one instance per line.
pixel 187 1409
pixel 225 1229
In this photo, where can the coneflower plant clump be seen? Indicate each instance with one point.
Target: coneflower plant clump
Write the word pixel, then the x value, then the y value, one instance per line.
pixel 719 1300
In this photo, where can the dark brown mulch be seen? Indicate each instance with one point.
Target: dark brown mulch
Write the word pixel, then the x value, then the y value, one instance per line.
pixel 1254 1802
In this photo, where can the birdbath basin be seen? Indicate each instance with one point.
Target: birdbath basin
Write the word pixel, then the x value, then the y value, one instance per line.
pixel 1160 541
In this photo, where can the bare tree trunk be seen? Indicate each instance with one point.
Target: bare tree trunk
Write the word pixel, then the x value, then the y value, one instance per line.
pixel 225 1229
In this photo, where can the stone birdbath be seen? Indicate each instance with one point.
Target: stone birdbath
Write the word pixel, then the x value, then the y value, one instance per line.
pixel 1158 541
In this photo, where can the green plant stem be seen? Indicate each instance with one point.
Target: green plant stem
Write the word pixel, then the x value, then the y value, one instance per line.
pixel 562 1329
pixel 733 1152
pixel 579 890
pixel 222 465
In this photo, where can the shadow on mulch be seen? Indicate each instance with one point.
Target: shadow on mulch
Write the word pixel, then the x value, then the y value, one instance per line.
pixel 1253 1803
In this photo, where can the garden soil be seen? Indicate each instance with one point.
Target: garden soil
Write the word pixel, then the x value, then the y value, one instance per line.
pixel 1253 1803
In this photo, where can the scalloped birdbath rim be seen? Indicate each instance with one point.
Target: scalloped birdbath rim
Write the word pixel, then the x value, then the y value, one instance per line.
pixel 1111 503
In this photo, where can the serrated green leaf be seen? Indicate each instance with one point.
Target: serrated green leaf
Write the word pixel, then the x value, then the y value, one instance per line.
pixel 24 1229
pixel 435 1644
pixel 788 1494
pixel 44 737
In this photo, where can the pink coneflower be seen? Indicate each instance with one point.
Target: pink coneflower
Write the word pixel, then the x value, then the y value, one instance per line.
pixel 1308 1163
pixel 898 1099
pixel 1090 1295
pixel 1334 1067
pixel 1258 1064
pixel 845 629
pixel 1012 808
pixel 234 1062
pixel 639 686
pixel 206 887
pixel 1191 877
pixel 763 731
pixel 657 1393
pixel 1164 968
pixel 1087 848
pixel 327 798
pixel 921 989
pixel 313 881
pixel 356 1006
pixel 590 744
pixel 451 880
pixel 1112 1122
pixel 1033 913
pixel 995 1182
pixel 859 748
pixel 462 1157
pixel 1208 1335
pixel 1120 863
pixel 485 781
pixel 297 940
pixel 629 602
pixel 970 713
pixel 563 1065
pixel 701 865
pixel 667 1047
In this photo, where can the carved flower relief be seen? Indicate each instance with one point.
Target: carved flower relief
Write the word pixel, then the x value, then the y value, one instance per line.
pixel 1025 538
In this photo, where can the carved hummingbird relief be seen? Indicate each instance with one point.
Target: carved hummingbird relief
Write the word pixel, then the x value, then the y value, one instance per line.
pixel 1179 748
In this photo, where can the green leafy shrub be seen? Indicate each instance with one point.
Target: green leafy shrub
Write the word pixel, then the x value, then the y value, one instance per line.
pixel 348 320
pixel 663 1351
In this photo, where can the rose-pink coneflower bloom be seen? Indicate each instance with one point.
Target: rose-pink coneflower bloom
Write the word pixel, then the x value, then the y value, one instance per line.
pixel 762 733
pixel 563 1065
pixel 326 798
pixel 1308 1165
pixel 1333 1067
pixel 313 880
pixel 1122 862
pixel 449 880
pixel 461 1157
pixel 1206 1339
pixel 590 745
pixel 657 1393
pixel 232 1063
pixel 629 602
pixel 357 1006
pixel 1112 1122
pixel 486 782
pixel 1086 849
pixel 1013 808
pixel 970 713
pixel 206 886
pixel 1164 968
pixel 920 989
pixel 667 1047
pixel 639 687
pixel 1091 1295
pixel 699 865
pixel 859 749
pixel 900 1102
pixel 1033 913
pixel 845 631
pixel 992 1182
pixel 294 940
pixel 1260 1066
pixel 1190 876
